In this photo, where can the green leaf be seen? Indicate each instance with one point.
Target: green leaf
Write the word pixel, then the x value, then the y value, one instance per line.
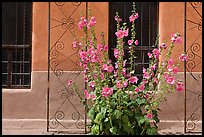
pixel 147 107
pixel 140 101
pixel 103 111
pixel 128 112
pixel 91 114
pixel 117 114
pixel 141 120
pixel 95 129
pixel 98 118
pixel 125 119
pixel 113 130
pixel 152 131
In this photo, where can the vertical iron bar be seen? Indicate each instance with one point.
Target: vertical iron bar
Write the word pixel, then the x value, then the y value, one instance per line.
pixel 16 51
pixel 141 52
pixel 23 63
pixel 185 67
pixel 48 77
pixel 85 82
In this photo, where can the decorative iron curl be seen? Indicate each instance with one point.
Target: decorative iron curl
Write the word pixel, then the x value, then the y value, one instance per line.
pixel 191 56
pixel 64 94
pixel 59 115
pixel 75 71
pixel 195 47
pixel 59 3
pixel 59 72
pixel 80 124
pixel 71 23
pixel 64 23
pixel 196 4
pixel 76 3
pixel 200 25
pixel 190 125
pixel 191 64
pixel 54 53
pixel 59 45
pixel 68 23
pixel 200 97
pixel 54 62
pixel 53 123
pixel 75 116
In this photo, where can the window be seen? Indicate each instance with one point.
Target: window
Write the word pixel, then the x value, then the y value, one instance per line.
pixel 16 44
pixel 146 27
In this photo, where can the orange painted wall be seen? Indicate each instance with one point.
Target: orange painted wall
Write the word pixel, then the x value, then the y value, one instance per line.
pixel 40 32
pixel 171 20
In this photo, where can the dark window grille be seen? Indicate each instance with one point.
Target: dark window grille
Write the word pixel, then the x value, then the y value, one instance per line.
pixel 146 27
pixel 16 44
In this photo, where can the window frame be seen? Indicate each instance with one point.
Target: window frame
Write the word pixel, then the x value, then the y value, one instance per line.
pixel 11 47
pixel 138 48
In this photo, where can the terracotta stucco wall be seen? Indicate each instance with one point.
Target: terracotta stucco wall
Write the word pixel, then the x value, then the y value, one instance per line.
pixel 171 20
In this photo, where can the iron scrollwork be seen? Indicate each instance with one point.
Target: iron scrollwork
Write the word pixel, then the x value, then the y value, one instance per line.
pixel 193 96
pixel 68 98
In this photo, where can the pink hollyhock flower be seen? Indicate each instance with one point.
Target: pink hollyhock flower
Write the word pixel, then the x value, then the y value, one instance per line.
pixel 133 79
pixel 87 95
pixel 136 89
pixel 118 84
pixel 106 47
pixel 120 34
pixel 116 65
pixel 149 55
pixel 102 76
pixel 143 70
pixel 175 70
pixel 136 42
pixel 107 91
pixel 153 67
pixel 176 38
pixel 179 86
pixel 110 68
pixel 130 42
pixel 69 82
pixel 170 62
pixel 74 44
pixel 124 71
pixel 105 67
pixel 99 47
pixel 163 46
pixel 149 116
pixel 125 83
pixel 82 23
pixel 170 79
pixel 117 19
pixel 142 87
pixel 183 57
pixel 155 80
pixel 92 84
pixel 124 63
pixel 146 75
pixel 169 67
pixel 126 32
pixel 93 97
pixel 85 79
pixel 146 95
pixel 116 52
pixel 156 52
pixel 133 17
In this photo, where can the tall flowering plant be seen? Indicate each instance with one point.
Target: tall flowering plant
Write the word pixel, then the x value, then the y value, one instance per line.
pixel 116 103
